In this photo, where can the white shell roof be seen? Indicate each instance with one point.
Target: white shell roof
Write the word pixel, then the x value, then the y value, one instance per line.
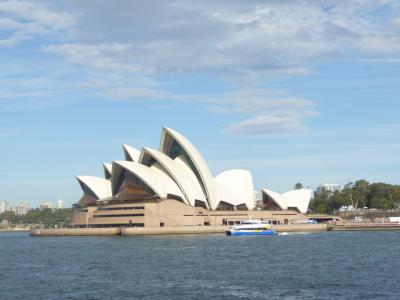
pixel 107 170
pixel 225 194
pixel 207 179
pixel 277 198
pixel 180 172
pixel 192 177
pixel 236 187
pixel 185 174
pixel 131 154
pixel 153 177
pixel 298 198
pixel 170 185
pixel 99 186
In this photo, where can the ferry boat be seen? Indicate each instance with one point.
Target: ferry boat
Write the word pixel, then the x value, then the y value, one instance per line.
pixel 251 228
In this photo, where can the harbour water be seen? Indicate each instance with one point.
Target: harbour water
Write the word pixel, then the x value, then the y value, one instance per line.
pixel 324 265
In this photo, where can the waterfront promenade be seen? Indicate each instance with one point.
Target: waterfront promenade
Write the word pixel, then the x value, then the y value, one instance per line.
pixel 132 231
pixel 362 226
pixel 127 231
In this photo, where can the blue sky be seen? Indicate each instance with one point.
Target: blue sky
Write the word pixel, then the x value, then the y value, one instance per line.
pixel 290 90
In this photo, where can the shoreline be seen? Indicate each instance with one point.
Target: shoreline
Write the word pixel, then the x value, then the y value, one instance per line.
pixel 14 229
pixel 363 226
pixel 135 231
pixel 141 231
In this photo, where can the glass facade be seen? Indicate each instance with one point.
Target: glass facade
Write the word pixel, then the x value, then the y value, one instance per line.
pixel 199 203
pixel 87 191
pixel 121 208
pixel 131 187
pixel 148 160
pixel 118 215
pixel 225 206
pixel 89 197
pixel 127 156
pixel 107 174
pixel 269 204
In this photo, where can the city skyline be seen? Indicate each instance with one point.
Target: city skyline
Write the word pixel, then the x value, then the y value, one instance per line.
pixel 22 207
pixel 291 91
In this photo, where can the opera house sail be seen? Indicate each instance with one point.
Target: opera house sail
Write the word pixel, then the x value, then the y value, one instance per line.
pixel 174 186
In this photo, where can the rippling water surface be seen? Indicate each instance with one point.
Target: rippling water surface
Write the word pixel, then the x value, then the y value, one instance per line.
pixel 313 266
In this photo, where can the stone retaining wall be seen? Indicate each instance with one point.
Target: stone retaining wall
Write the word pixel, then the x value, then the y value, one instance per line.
pixel 163 230
pixel 75 232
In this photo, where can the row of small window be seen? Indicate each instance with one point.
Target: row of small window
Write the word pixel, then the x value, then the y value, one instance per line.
pixel 251 228
pixel 121 208
pixel 118 216
pixel 110 225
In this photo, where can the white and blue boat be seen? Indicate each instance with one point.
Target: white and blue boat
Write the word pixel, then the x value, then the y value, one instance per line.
pixel 251 228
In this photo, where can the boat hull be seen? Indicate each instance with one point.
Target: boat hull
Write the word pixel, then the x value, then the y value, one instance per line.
pixel 251 232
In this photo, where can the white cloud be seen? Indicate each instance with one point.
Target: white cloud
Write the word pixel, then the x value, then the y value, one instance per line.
pixel 396 23
pixel 269 124
pixel 122 87
pixel 378 60
pixel 262 111
pixel 24 20
pixel 226 38
pixel 104 56
pixel 244 43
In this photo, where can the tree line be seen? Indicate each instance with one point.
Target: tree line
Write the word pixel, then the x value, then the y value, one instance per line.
pixel 359 194
pixel 47 217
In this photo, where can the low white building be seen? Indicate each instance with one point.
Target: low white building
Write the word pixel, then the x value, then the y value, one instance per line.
pixel 45 205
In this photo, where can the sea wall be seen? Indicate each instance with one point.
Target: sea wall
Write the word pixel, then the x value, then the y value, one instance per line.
pixel 363 226
pixel 163 230
pixel 75 232
pixel 173 230
pixel 301 227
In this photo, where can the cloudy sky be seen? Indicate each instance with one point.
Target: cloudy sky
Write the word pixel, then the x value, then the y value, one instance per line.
pixel 292 90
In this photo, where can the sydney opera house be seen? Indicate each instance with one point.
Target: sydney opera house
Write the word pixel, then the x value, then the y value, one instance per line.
pixel 173 186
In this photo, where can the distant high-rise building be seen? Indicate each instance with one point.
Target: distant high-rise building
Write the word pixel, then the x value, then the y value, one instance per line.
pixel 4 206
pixel 328 187
pixel 22 208
pixel 45 205
pixel 60 204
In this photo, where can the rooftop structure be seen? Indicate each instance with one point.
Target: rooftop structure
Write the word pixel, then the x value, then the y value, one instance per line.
pixel 296 199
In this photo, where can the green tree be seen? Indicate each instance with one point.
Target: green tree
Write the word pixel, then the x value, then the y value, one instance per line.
pixel 48 217
pixel 396 196
pixel 360 193
pixel 380 196
pixel 321 203
pixel 298 186
pixel 9 216
pixel 32 216
pixel 318 205
pixel 338 200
